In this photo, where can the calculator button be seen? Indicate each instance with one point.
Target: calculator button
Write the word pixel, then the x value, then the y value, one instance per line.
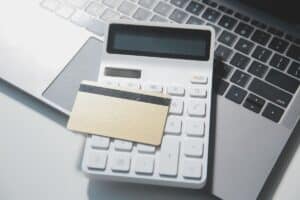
pixel 109 83
pixel 176 107
pixel 122 145
pixel 198 92
pixel 144 148
pixel 120 162
pixel 198 79
pixel 197 109
pixel 96 159
pixel 194 127
pixel 99 142
pixel 173 125
pixel 193 147
pixel 169 155
pixel 131 85
pixel 192 168
pixel 144 164
pixel 152 88
pixel 176 91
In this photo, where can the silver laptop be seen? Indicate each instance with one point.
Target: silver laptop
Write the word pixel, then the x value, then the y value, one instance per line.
pixel 47 47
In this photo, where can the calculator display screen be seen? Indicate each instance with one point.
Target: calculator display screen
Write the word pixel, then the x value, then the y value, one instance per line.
pixel 159 42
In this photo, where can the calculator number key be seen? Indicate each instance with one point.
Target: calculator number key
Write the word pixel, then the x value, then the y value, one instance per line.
pixel 196 108
pixel 176 107
pixel 173 125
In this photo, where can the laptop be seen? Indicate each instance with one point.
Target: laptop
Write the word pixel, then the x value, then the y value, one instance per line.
pixel 47 47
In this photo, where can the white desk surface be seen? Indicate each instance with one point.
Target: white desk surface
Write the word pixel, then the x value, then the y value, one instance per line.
pixel 40 159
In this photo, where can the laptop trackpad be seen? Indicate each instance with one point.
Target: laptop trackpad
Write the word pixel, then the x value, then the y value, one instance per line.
pixel 84 66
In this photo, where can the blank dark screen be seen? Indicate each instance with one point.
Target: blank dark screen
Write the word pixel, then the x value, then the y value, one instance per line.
pixel 159 42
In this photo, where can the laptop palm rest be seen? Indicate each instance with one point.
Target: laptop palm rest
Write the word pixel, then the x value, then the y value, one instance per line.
pixel 84 66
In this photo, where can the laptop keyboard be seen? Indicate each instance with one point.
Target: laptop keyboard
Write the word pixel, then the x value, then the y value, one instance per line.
pixel 258 66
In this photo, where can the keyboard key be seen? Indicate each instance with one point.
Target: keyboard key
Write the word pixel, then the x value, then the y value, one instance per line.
pixel 198 79
pixel 96 159
pixel 254 103
pixel 240 78
pixel 173 125
pixel 275 31
pixel 176 107
pixel 120 162
pixel 258 24
pixel 240 61
pixel 221 69
pixel 195 8
pixel 227 22
pixel 51 5
pixel 278 45
pixel 193 147
pixel 65 11
pixel 110 15
pixel 147 3
pixel 294 52
pixel 227 38
pixel 211 15
pixel 178 16
pixel 112 3
pixel 194 127
pixel 169 155
pixel 273 112
pixel 283 81
pixel 127 8
pixel 289 37
pixel 242 17
pixel 142 14
pixel 95 9
pixel 261 54
pixel 196 91
pixel 99 142
pixel 196 108
pixel 76 3
pixel 223 53
pixel 225 9
pixel 195 20
pixel 244 46
pixel 270 92
pixel 279 62
pixel 210 3
pixel 192 168
pixel 294 69
pixel 163 8
pixel 261 37
pixel 179 3
pixel 157 18
pixel 145 148
pixel 257 69
pixel 221 86
pixel 236 94
pixel 81 18
pixel 176 91
pixel 122 145
pixel 144 164
pixel 244 29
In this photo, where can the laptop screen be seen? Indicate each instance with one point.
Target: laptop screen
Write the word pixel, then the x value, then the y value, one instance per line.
pixel 287 10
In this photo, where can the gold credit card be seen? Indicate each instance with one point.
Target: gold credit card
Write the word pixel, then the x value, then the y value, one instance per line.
pixel 120 113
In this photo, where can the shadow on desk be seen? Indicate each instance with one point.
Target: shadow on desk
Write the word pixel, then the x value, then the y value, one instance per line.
pixel 32 103
pixel 130 191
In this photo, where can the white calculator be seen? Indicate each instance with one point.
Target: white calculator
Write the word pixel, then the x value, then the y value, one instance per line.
pixel 163 58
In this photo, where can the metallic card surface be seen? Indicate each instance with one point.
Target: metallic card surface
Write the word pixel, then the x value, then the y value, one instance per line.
pixel 119 113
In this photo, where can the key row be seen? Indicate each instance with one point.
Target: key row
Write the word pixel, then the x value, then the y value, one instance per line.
pixel 195 90
pixel 145 163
